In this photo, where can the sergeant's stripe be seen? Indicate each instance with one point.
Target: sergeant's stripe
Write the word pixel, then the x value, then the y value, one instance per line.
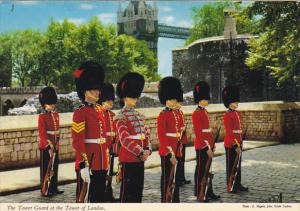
pixel 78 127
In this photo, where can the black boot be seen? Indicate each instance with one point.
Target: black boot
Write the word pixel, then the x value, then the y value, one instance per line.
pixel 242 188
pixel 213 196
pixel 186 181
pixel 57 191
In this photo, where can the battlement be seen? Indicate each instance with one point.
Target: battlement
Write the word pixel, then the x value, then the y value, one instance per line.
pixel 20 90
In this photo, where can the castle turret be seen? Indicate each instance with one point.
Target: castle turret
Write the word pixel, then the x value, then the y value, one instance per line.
pixel 139 19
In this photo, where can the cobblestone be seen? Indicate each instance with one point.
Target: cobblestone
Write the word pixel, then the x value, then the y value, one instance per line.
pixel 267 172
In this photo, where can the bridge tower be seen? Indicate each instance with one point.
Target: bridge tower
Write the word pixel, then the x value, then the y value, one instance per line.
pixel 139 20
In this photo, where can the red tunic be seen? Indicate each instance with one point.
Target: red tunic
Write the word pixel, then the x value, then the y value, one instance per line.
pixel 233 130
pixel 110 132
pixel 131 127
pixel 182 122
pixel 203 133
pixel 48 124
pixel 88 126
pixel 170 122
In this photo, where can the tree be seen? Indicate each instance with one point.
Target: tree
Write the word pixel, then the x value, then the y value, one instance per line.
pixel 51 57
pixel 209 20
pixel 5 60
pixel 277 50
pixel 25 48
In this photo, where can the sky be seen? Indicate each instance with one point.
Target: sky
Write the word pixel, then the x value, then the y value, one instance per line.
pixel 37 14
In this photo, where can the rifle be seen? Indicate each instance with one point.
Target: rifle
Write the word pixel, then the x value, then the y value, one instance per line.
pixel 48 176
pixel 237 160
pixel 172 183
pixel 108 188
pixel 84 192
pixel 207 175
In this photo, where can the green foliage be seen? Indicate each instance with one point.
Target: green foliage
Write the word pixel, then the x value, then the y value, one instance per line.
pixel 50 58
pixel 277 50
pixel 5 60
pixel 25 50
pixel 209 20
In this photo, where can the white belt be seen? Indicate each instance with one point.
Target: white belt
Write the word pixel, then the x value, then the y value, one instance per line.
pixel 140 136
pixel 175 135
pixel 206 130
pixel 110 133
pixel 52 132
pixel 237 131
pixel 95 141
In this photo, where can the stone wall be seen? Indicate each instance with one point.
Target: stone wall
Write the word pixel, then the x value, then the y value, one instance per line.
pixel 221 62
pixel 264 121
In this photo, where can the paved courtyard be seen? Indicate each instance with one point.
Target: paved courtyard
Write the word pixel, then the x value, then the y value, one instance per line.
pixel 267 172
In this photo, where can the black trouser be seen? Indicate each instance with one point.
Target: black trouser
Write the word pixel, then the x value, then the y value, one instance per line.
pixel 97 186
pixel 180 167
pixel 230 157
pixel 44 161
pixel 132 182
pixel 201 159
pixel 166 166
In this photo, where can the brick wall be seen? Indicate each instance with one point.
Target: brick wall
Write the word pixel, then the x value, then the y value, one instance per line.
pixel 274 121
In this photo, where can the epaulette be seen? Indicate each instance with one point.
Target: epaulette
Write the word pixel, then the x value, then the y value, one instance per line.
pixel 120 116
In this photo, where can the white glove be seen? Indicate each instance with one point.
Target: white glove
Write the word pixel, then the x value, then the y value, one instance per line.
pixel 85 174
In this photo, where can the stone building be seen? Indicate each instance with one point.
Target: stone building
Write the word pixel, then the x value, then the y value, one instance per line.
pixel 221 61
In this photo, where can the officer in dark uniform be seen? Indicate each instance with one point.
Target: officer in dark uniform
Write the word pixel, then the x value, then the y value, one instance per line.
pixel 204 142
pixel 133 136
pixel 170 129
pixel 88 133
pixel 233 141
pixel 48 124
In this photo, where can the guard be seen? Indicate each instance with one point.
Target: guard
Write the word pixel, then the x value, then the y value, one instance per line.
pixel 48 124
pixel 106 102
pixel 88 133
pixel 133 136
pixel 233 141
pixel 170 131
pixel 204 144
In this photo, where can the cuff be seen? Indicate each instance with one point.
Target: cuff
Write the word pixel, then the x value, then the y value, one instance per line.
pixel 81 165
pixel 84 161
pixel 235 146
pixel 205 148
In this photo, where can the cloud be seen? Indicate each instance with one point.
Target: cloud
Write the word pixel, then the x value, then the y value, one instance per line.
pixel 86 6
pixel 183 23
pixel 106 17
pixel 76 21
pixel 167 19
pixel 27 2
pixel 172 21
pixel 165 9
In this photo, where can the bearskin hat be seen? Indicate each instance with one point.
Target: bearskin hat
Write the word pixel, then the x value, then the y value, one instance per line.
pixel 130 85
pixel 90 75
pixel 107 93
pixel 170 88
pixel 201 91
pixel 48 96
pixel 230 94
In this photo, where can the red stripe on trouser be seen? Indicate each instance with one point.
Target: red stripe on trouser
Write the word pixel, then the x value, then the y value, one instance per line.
pixel 123 183
pixel 42 168
pixel 164 179
pixel 198 174
pixel 78 184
